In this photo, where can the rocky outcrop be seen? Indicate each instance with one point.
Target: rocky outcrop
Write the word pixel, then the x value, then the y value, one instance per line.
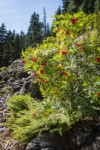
pixel 15 80
pixel 48 141
pixel 83 136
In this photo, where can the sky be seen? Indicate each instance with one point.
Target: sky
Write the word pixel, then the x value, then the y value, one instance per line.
pixel 16 14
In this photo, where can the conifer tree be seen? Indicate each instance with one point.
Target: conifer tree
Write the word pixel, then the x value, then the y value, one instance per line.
pixel 8 49
pixel 3 33
pixel 88 6
pixel 44 23
pixel 59 11
pixel 22 40
pixel 48 31
pixel 65 6
pixel 11 45
pixel 46 27
pixel 97 6
pixel 75 5
pixel 34 34
pixel 17 47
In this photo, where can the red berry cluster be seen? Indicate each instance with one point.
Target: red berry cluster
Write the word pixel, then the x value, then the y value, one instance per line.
pixel 33 59
pixel 64 52
pixel 43 63
pixel 74 21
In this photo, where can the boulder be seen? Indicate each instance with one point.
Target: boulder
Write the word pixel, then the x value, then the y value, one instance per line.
pixel 48 141
pixel 15 80
pixel 83 136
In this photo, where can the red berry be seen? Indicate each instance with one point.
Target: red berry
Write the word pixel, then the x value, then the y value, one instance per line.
pixel 78 44
pixel 55 92
pixel 35 74
pixel 44 81
pixel 33 59
pixel 43 63
pixel 98 94
pixel 24 61
pixel 56 30
pixel 67 33
pixel 64 52
pixel 64 73
pixel 74 21
pixel 41 71
pixel 98 59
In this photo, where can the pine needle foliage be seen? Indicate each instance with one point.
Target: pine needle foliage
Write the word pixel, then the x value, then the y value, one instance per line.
pixel 29 118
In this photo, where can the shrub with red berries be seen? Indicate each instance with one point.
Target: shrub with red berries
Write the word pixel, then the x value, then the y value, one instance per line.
pixel 65 66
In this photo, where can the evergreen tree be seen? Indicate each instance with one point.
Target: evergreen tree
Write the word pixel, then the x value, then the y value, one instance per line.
pixel 8 49
pixel 17 47
pixel 2 43
pixel 22 40
pixel 88 6
pixel 97 6
pixel 48 31
pixel 59 11
pixel 11 45
pixel 65 6
pixel 34 34
pixel 75 5
pixel 44 23
pixel 46 27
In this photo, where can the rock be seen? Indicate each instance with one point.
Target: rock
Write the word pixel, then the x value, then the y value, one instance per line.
pixel 81 137
pixel 92 142
pixel 2 129
pixel 0 76
pixel 14 80
pixel 48 141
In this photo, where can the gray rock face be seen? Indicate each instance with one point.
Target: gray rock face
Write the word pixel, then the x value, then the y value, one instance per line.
pixel 84 136
pixel 15 80
pixel 48 141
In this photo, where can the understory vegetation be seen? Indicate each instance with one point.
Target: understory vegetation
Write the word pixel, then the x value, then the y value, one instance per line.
pixel 67 69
